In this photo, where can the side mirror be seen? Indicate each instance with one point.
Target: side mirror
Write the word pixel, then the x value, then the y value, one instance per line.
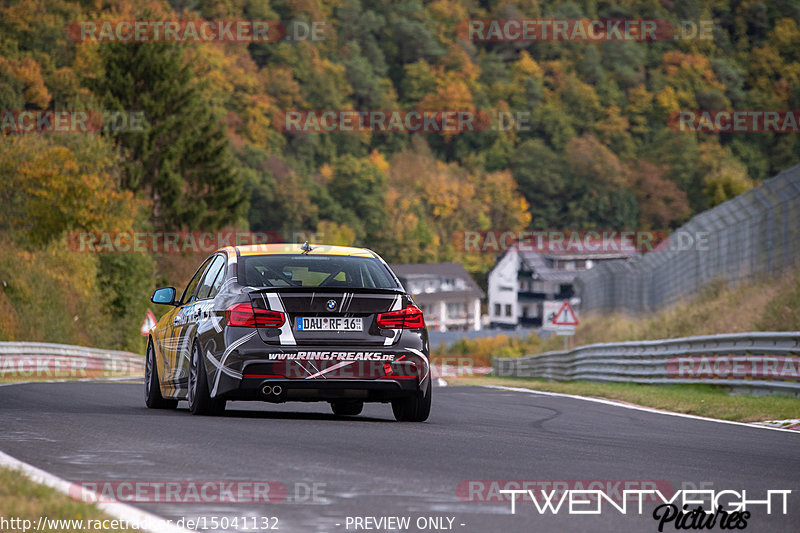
pixel 164 295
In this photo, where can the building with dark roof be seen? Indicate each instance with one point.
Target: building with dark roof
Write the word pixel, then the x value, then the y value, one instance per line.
pixel 522 281
pixel 446 293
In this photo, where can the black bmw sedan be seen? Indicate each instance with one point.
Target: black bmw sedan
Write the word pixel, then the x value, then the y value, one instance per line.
pixel 286 322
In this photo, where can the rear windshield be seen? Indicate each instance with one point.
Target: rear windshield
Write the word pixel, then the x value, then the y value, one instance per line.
pixel 332 271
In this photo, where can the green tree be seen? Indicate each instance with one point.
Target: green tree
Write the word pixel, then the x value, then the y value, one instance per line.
pixel 181 159
pixel 359 187
pixel 600 197
pixel 541 175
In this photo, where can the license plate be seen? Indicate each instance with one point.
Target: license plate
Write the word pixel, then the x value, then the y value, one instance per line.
pixel 327 324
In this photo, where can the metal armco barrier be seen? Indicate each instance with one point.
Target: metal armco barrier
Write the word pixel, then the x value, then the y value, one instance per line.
pixel 45 360
pixel 760 362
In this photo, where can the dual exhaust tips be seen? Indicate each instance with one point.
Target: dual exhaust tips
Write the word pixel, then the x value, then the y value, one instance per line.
pixel 271 390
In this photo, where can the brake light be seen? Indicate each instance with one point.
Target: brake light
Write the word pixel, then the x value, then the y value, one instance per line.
pixel 245 315
pixel 408 318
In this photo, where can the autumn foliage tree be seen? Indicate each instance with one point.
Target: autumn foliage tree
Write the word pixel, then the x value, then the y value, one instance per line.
pixel 181 159
pixel 588 146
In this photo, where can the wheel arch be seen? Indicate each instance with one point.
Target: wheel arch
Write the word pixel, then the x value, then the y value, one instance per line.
pixel 157 362
pixel 210 369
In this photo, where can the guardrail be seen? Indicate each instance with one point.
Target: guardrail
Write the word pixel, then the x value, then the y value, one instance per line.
pixel 56 361
pixel 762 362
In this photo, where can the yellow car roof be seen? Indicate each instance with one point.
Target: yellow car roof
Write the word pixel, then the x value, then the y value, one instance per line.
pixel 316 249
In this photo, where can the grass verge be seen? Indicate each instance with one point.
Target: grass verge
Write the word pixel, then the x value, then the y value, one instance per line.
pixel 46 377
pixel 23 499
pixel 701 400
pixel 768 305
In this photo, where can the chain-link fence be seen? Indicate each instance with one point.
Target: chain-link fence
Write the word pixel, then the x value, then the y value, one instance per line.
pixel 755 235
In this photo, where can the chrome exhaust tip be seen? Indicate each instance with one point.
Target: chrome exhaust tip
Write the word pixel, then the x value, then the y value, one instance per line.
pixel 272 390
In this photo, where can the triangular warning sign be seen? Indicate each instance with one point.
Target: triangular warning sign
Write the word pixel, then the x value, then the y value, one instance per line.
pixel 149 322
pixel 565 316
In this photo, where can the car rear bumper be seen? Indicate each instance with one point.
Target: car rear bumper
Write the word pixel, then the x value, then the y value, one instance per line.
pixel 280 389
pixel 308 373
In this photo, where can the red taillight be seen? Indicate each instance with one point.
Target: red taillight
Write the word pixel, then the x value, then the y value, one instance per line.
pixel 245 315
pixel 408 318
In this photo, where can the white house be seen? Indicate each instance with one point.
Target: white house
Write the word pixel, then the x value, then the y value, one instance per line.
pixel 522 281
pixel 446 293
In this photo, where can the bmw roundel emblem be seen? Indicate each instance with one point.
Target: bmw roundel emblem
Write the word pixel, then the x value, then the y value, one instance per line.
pixel 331 305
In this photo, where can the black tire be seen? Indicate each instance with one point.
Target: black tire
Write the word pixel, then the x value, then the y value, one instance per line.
pixel 414 409
pixel 347 407
pixel 152 392
pixel 200 400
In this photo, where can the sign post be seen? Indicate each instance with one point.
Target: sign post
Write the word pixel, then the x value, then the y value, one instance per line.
pixel 149 322
pixel 558 316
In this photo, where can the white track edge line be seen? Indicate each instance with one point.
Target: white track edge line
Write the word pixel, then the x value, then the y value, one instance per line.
pixel 122 511
pixel 637 407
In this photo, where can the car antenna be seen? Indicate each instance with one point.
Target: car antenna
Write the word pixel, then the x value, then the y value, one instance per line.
pixel 306 248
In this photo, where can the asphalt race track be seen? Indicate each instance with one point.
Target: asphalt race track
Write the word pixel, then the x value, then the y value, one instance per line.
pixel 371 466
